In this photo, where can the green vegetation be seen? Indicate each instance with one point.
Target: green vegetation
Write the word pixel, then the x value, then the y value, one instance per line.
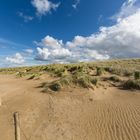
pixel 78 79
pixel 120 71
pixel 100 71
pixel 34 76
pixel 84 75
pixel 132 84
pixel 137 75
pixel 115 79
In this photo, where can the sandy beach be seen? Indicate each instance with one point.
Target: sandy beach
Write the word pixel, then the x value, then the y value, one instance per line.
pixel 77 114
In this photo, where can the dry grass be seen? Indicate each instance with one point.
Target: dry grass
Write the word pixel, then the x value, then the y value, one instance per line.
pixel 85 75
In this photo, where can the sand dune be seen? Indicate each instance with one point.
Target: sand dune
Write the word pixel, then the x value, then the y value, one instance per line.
pixel 77 114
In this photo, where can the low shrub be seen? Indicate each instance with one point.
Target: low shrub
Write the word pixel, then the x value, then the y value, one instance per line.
pixel 115 79
pixel 58 84
pixel 127 73
pixel 132 84
pixel 94 81
pixel 20 74
pixel 137 75
pixel 100 71
pixel 84 81
pixel 43 85
pixel 78 79
pixel 55 86
pixel 32 77
pixel 73 68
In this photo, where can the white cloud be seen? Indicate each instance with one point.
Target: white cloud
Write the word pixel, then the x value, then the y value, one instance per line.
pixel 52 43
pixel 60 53
pixel 51 49
pixel 54 50
pixel 16 59
pixel 128 8
pixel 25 17
pixel 44 6
pixel 78 41
pixel 121 40
pixel 43 53
pixel 93 54
pixel 76 4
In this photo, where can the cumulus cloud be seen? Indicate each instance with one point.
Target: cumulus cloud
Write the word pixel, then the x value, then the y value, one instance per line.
pixel 25 17
pixel 76 4
pixel 121 40
pixel 44 7
pixel 42 53
pixel 51 43
pixel 55 50
pixel 16 59
pixel 51 49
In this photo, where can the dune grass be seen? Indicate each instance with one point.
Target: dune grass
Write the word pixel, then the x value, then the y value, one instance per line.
pixel 115 78
pixel 132 84
pixel 78 79
pixel 84 75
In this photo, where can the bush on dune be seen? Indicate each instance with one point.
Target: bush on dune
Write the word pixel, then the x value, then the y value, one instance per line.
pixel 132 84
pixel 100 71
pixel 78 79
pixel 115 78
pixel 137 75
pixel 34 75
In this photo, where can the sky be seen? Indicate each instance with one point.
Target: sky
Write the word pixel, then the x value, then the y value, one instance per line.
pixel 35 32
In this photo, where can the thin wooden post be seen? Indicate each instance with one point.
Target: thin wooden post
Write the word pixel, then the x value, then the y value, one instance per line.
pixel 0 101
pixel 17 127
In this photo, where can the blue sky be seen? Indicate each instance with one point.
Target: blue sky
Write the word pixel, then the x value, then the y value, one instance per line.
pixel 58 31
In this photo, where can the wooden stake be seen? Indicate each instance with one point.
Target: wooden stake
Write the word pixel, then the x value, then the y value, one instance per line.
pixel 17 128
pixel 0 101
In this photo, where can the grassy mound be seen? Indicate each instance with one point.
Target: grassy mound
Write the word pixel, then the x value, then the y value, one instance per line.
pixel 78 79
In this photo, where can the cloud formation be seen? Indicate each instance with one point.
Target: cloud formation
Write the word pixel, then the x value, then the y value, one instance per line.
pixel 120 40
pixel 44 7
pixel 16 59
pixel 128 8
pixel 54 50
pixel 51 49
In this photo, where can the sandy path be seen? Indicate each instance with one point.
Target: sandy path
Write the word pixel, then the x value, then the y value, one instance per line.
pixel 75 115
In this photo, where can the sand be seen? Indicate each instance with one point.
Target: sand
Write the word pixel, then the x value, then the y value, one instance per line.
pixel 73 114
